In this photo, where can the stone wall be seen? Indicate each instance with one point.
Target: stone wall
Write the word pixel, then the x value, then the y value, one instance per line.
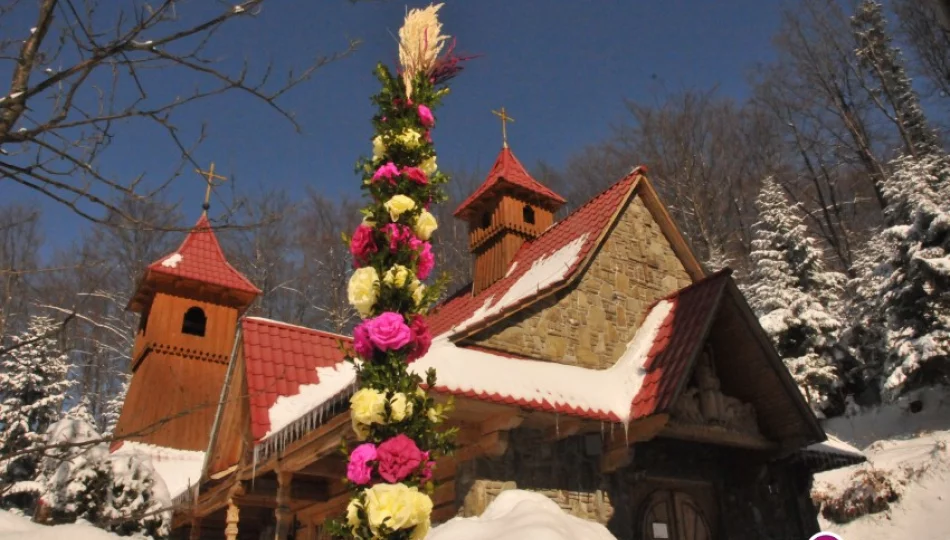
pixel 745 496
pixel 591 323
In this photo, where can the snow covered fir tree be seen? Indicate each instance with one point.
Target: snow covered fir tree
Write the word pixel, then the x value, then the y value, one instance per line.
pixel 33 386
pixel 797 298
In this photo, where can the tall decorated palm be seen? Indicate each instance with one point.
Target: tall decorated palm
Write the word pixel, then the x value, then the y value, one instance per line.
pixel 394 419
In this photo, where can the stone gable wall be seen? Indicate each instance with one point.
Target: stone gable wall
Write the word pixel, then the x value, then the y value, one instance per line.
pixel 591 323
pixel 750 497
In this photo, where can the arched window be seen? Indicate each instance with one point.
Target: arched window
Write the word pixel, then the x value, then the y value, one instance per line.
pixel 194 322
pixel 486 219
pixel 528 215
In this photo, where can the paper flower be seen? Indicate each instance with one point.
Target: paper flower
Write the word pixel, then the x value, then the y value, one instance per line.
pixel 400 407
pixel 388 332
pixel 362 245
pixel 425 116
pixel 379 148
pixel 396 276
pixel 358 470
pixel 429 166
pixel 352 513
pixel 409 138
pixel 415 174
pixel 398 205
pixel 388 172
pixel 425 225
pixel 368 406
pixel 426 261
pixel 397 506
pixel 361 342
pixel 363 290
pixel 418 291
pixel 421 339
pixel 398 458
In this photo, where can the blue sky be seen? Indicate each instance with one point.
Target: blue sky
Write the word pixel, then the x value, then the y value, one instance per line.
pixel 561 68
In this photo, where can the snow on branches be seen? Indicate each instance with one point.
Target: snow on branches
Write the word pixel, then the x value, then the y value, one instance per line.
pixel 796 298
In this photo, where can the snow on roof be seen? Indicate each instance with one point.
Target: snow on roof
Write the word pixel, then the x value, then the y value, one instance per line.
pixel 178 469
pixel 172 260
pixel 14 527
pixel 835 446
pixel 517 515
pixel 333 381
pixel 607 394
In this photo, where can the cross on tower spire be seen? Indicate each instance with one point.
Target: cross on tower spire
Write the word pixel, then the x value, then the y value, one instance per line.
pixel 209 177
pixel 504 120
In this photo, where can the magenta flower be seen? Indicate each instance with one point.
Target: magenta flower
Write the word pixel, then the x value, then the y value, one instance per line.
pixel 426 474
pixel 361 342
pixel 388 172
pixel 358 470
pixel 415 174
pixel 362 245
pixel 425 116
pixel 426 261
pixel 421 339
pixel 388 332
pixel 398 458
pixel 399 235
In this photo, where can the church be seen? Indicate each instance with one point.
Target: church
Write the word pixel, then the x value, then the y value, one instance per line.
pixel 592 359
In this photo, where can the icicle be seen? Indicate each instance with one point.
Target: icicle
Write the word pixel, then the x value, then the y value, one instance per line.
pixel 557 426
pixel 254 466
pixel 626 433
pixel 601 431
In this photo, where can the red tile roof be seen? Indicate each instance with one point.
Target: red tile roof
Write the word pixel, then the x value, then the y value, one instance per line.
pixel 679 340
pixel 508 169
pixel 279 358
pixel 593 219
pixel 200 259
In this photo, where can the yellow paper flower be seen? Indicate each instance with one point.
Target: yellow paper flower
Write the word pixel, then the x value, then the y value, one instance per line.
pixel 379 148
pixel 429 166
pixel 396 506
pixel 421 530
pixel 368 406
pixel 434 415
pixel 425 225
pixel 418 292
pixel 398 205
pixel 363 290
pixel 352 513
pixel 409 138
pixel 400 407
pixel 396 276
pixel 361 430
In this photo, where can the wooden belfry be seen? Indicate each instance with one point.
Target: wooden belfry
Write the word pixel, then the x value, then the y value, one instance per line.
pixel 190 301
pixel 509 208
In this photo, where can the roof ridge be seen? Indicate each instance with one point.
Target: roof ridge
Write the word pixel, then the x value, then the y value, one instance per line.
pixel 274 322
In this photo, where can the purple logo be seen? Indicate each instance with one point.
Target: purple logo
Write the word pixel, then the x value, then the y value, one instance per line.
pixel 826 536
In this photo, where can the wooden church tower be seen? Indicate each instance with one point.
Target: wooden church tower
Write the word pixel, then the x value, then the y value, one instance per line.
pixel 189 302
pixel 508 209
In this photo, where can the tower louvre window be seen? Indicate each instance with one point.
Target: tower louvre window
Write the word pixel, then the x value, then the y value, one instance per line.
pixel 527 214
pixel 486 219
pixel 194 322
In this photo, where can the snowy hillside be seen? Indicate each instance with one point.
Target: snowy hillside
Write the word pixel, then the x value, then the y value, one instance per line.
pixel 16 527
pixel 906 482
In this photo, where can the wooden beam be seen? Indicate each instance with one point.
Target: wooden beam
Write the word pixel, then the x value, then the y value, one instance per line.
pixel 505 421
pixel 328 467
pixel 564 428
pixel 494 444
pixel 300 490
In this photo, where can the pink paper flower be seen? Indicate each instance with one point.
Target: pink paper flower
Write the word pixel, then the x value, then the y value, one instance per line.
pixel 361 342
pixel 388 332
pixel 426 473
pixel 362 245
pixel 398 458
pixel 388 172
pixel 415 174
pixel 399 235
pixel 358 470
pixel 421 339
pixel 425 116
pixel 426 261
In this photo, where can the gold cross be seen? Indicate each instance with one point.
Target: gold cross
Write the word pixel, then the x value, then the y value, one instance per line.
pixel 209 177
pixel 504 120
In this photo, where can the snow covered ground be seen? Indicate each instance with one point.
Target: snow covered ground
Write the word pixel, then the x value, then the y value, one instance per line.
pixel 13 527
pixel 912 451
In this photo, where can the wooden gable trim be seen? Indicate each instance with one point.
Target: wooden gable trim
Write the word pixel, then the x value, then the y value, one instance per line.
pixel 568 281
pixel 777 365
pixel 651 199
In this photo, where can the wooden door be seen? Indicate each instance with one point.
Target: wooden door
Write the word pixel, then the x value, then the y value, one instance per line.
pixel 673 515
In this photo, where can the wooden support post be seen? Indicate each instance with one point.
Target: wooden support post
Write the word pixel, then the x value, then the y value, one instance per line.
pixel 283 513
pixel 195 533
pixel 231 530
